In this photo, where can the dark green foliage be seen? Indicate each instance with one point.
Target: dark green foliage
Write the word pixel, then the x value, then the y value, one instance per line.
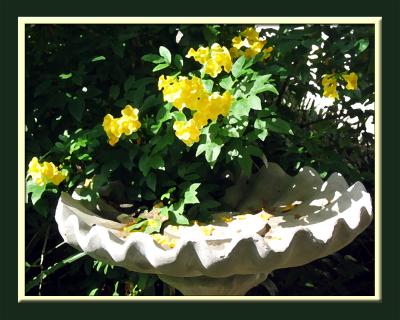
pixel 76 74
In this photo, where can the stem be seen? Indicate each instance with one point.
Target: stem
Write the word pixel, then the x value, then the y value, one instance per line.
pixel 35 281
pixel 42 259
pixel 45 155
pixel 35 263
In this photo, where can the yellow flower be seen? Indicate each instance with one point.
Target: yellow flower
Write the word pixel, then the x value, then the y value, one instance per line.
pixel 191 93
pixel 251 34
pixel 351 80
pixel 201 55
pixel 237 42
pixel 329 83
pixel 183 92
pixel 213 59
pixel 221 56
pixel 212 68
pixel 201 118
pixel 252 44
pixel 219 105
pixel 235 52
pixel 44 173
pixel 187 131
pixel 127 124
pixel 267 52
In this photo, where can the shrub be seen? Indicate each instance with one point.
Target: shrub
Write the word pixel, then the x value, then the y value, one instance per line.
pixel 167 117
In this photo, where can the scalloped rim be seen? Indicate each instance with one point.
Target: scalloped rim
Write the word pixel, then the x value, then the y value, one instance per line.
pixel 189 258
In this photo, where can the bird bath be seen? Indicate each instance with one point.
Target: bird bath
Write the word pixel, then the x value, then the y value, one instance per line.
pixel 277 221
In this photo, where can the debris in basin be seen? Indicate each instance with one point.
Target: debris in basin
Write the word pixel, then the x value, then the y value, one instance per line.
pixel 289 207
pixel 164 241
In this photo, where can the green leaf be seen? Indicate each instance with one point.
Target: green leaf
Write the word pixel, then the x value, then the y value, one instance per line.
pixel 157 162
pixel 178 61
pixel 240 108
pixel 189 196
pixel 154 58
pixel 210 33
pixel 155 226
pixel 151 101
pixel 234 131
pixel 245 162
pixel 178 115
pixel 129 83
pixel 362 45
pixel 177 218
pixel 177 208
pixel 254 151
pixel 76 108
pixel 160 67
pixel 115 293
pixel 99 58
pixel 226 83
pixel 167 195
pixel 261 129
pixel 261 85
pixel 254 102
pixel 162 142
pixel 138 96
pixel 278 125
pixel 144 165
pixel 36 191
pixel 213 150
pixel 188 168
pixel 64 76
pixel 166 54
pixel 99 180
pixel 200 149
pixel 114 92
pixel 137 225
pixel 238 66
pixel 208 84
pixel 162 116
pixel 151 181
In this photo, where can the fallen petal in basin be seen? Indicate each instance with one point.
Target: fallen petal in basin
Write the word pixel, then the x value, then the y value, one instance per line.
pixel 276 221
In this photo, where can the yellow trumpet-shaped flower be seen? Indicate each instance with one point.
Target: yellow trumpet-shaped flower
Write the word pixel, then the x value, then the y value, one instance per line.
pixel 250 45
pixel 250 34
pixel 127 124
pixel 44 173
pixel 213 59
pixel 190 93
pixel 183 92
pixel 202 54
pixel 351 80
pixel 237 42
pixel 187 131
pixel 329 83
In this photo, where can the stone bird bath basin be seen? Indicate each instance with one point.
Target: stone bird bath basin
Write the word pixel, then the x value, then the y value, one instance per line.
pixel 277 221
